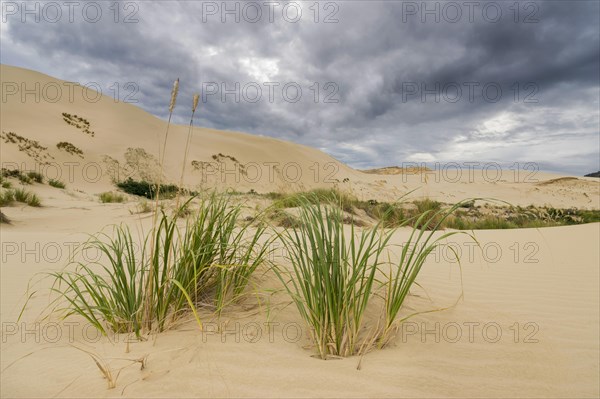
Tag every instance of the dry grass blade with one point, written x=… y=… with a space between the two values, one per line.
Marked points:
x=104 y=368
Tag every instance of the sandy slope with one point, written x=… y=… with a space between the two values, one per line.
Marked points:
x=537 y=288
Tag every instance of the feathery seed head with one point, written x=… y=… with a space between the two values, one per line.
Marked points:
x=195 y=105
x=174 y=95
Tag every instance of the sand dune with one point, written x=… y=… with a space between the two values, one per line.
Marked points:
x=528 y=325
x=229 y=159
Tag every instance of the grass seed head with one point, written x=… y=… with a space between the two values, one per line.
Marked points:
x=174 y=95
x=195 y=105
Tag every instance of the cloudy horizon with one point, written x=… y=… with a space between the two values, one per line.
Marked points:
x=372 y=83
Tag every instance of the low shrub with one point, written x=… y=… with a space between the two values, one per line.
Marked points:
x=146 y=189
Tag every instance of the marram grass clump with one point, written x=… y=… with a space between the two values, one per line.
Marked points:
x=207 y=264
x=56 y=183
x=337 y=273
x=332 y=278
x=19 y=195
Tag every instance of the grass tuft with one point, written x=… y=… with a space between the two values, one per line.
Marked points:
x=332 y=276
x=110 y=197
x=209 y=263
x=142 y=207
x=36 y=177
x=26 y=197
x=24 y=179
x=4 y=183
x=56 y=183
x=7 y=197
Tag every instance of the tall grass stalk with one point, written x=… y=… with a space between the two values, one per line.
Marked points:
x=187 y=146
x=172 y=102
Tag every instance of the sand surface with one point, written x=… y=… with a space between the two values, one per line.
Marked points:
x=528 y=325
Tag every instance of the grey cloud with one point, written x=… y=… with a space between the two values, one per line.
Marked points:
x=370 y=55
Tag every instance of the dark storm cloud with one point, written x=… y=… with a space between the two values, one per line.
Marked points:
x=374 y=55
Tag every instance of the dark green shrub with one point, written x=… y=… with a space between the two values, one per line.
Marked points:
x=56 y=183
x=146 y=189
x=36 y=177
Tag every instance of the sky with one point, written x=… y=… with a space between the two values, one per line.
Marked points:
x=372 y=83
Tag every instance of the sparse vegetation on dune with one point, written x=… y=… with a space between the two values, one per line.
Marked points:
x=56 y=183
x=8 y=173
x=69 y=148
x=24 y=179
x=467 y=217
x=4 y=183
x=142 y=207
x=36 y=177
x=31 y=148
x=207 y=264
x=9 y=196
x=334 y=275
x=280 y=218
x=27 y=197
x=147 y=189
x=110 y=197
x=78 y=122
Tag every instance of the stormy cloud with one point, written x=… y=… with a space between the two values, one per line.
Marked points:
x=381 y=83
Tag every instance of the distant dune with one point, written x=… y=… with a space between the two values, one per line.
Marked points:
x=396 y=170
